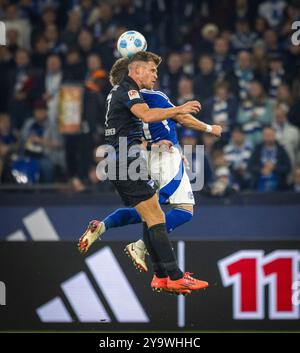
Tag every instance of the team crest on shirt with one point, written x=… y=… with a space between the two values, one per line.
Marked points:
x=133 y=94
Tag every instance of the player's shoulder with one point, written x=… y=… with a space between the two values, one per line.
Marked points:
x=155 y=93
x=127 y=88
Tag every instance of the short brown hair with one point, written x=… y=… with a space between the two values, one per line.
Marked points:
x=221 y=84
x=118 y=71
x=145 y=56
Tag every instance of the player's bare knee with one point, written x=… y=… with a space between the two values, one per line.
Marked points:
x=157 y=215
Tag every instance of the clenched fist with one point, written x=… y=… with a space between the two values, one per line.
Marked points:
x=216 y=130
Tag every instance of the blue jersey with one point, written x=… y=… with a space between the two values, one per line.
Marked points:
x=163 y=130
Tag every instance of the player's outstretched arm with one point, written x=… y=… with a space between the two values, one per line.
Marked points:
x=147 y=115
x=188 y=121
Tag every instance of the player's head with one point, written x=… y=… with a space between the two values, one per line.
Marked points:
x=118 y=71
x=142 y=67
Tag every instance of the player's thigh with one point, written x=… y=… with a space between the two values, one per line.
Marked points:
x=150 y=211
x=183 y=195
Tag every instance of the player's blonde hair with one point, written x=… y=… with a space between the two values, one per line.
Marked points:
x=145 y=56
x=120 y=67
x=118 y=71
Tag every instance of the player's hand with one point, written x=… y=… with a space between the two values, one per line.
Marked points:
x=164 y=145
x=216 y=130
x=191 y=107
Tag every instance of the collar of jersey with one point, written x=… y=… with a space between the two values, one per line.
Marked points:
x=131 y=81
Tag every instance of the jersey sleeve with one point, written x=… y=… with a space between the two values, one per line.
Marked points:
x=131 y=97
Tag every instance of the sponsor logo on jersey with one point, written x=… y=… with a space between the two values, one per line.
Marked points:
x=133 y=94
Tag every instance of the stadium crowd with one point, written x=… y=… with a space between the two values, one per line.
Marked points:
x=236 y=57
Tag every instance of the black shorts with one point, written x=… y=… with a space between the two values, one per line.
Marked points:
x=133 y=192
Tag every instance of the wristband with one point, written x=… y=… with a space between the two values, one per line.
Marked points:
x=208 y=128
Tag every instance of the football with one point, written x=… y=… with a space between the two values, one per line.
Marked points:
x=130 y=43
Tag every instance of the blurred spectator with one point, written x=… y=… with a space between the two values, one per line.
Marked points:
x=260 y=26
x=290 y=15
x=48 y=17
x=272 y=11
x=209 y=33
x=40 y=53
x=255 y=112
x=94 y=99
x=87 y=11
x=104 y=30
x=276 y=75
x=55 y=44
x=285 y=97
x=205 y=80
x=74 y=68
x=170 y=75
x=237 y=155
x=13 y=21
x=70 y=36
x=296 y=83
x=287 y=134
x=243 y=38
x=8 y=145
x=272 y=44
x=222 y=184
x=40 y=141
x=79 y=147
x=85 y=44
x=294 y=115
x=240 y=77
x=269 y=164
x=210 y=145
x=222 y=58
x=187 y=56
x=49 y=86
x=189 y=140
x=6 y=67
x=260 y=60
x=185 y=91
x=129 y=14
x=242 y=10
x=221 y=109
x=21 y=85
x=296 y=180
x=103 y=22
x=12 y=37
x=292 y=55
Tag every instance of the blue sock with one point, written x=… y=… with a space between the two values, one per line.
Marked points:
x=176 y=217
x=125 y=216
x=122 y=217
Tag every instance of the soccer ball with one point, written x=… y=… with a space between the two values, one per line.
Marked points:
x=130 y=43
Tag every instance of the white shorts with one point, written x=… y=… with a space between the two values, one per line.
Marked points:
x=168 y=170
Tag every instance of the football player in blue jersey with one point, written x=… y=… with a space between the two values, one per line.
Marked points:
x=174 y=184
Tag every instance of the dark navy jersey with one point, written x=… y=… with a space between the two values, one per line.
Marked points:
x=163 y=130
x=119 y=121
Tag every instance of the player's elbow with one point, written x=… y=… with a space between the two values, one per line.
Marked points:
x=146 y=118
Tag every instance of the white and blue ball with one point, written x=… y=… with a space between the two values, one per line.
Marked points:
x=130 y=43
